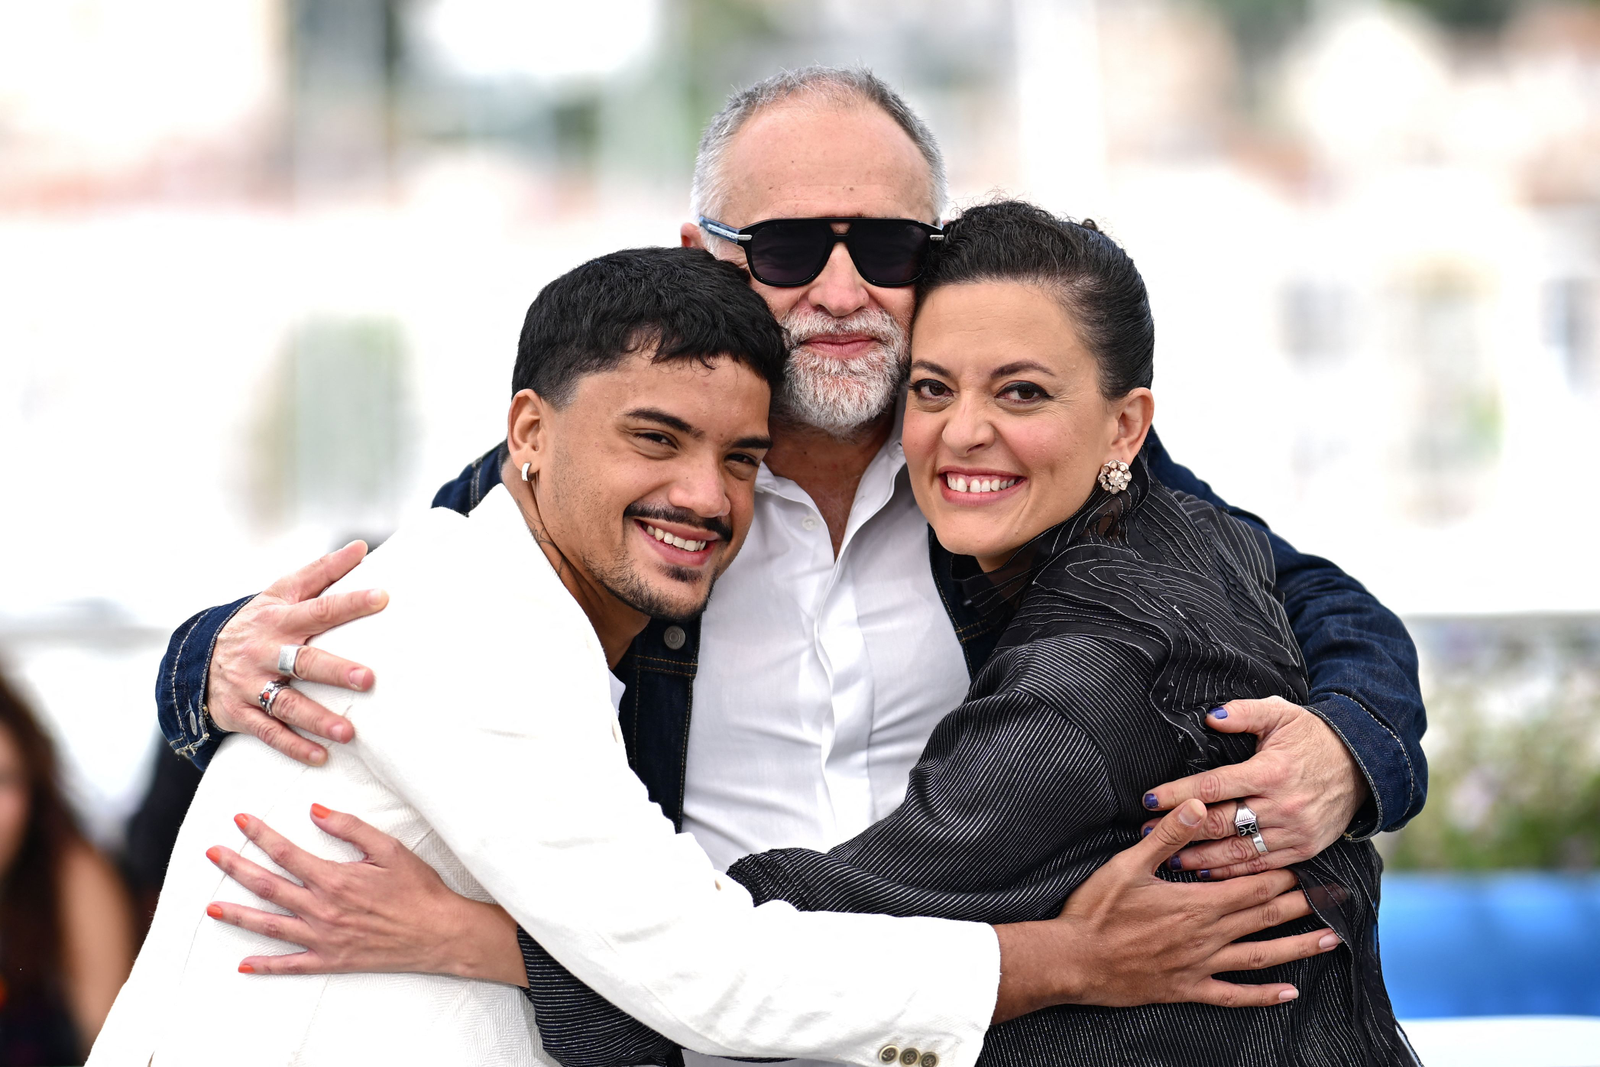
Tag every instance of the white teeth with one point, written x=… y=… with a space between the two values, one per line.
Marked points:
x=978 y=485
x=674 y=540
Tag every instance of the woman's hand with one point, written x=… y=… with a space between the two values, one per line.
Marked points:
x=290 y=611
x=1303 y=785
x=1125 y=937
x=387 y=912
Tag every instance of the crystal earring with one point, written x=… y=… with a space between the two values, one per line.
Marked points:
x=525 y=467
x=1114 y=476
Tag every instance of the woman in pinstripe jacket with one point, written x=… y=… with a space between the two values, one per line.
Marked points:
x=1133 y=611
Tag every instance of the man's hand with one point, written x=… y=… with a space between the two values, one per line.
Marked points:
x=388 y=912
x=1126 y=937
x=289 y=612
x=1302 y=783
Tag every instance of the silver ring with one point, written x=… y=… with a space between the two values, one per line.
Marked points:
x=287 y=656
x=1244 y=823
x=269 y=693
x=1261 y=846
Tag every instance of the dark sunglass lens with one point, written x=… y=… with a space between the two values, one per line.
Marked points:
x=888 y=252
x=789 y=253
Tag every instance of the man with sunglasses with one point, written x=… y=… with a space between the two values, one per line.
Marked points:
x=836 y=640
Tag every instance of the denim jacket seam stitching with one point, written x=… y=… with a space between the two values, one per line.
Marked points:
x=1366 y=773
x=1411 y=774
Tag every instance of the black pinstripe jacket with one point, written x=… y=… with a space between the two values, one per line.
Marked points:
x=1122 y=627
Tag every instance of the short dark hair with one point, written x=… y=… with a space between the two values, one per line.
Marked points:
x=683 y=302
x=1088 y=272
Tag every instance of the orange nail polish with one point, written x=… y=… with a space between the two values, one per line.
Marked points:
x=214 y=910
x=320 y=812
x=242 y=821
x=245 y=968
x=214 y=854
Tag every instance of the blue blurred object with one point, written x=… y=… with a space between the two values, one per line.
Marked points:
x=1513 y=943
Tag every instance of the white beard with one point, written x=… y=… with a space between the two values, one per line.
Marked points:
x=840 y=397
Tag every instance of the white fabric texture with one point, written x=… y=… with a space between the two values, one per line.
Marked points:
x=819 y=679
x=514 y=784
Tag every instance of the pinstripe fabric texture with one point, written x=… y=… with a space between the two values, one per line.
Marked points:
x=1127 y=623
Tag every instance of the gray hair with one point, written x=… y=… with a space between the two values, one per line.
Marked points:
x=838 y=85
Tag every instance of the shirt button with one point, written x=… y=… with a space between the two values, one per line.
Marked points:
x=930 y=1059
x=888 y=1054
x=909 y=1056
x=674 y=637
x=810 y=523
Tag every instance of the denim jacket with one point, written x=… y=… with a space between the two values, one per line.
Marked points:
x=1362 y=664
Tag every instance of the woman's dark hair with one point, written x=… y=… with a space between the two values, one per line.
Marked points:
x=1088 y=272
x=31 y=934
x=683 y=302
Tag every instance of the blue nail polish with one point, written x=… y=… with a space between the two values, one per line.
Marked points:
x=1144 y=831
x=1175 y=864
x=1205 y=876
x=1219 y=713
x=1151 y=802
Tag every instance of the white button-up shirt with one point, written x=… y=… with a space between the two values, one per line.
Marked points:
x=819 y=679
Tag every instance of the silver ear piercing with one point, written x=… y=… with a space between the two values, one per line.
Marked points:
x=1114 y=476
x=528 y=464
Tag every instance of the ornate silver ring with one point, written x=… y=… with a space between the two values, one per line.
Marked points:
x=1244 y=821
x=269 y=693
x=288 y=655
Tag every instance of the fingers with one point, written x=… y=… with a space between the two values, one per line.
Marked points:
x=263 y=883
x=372 y=842
x=1229 y=995
x=294 y=708
x=280 y=850
x=1274 y=860
x=1241 y=894
x=1237 y=855
x=286 y=928
x=1252 y=716
x=313 y=578
x=294 y=963
x=1217 y=825
x=1169 y=835
x=278 y=736
x=1257 y=955
x=314 y=616
x=1286 y=907
x=1208 y=787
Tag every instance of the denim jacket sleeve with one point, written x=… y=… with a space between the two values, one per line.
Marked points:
x=1361 y=661
x=181 y=684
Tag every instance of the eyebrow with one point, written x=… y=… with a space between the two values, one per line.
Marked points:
x=998 y=372
x=1020 y=365
x=673 y=422
x=665 y=419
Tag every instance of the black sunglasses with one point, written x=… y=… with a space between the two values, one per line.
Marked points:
x=790 y=252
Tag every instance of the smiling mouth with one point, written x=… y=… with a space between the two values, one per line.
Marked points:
x=673 y=539
x=958 y=483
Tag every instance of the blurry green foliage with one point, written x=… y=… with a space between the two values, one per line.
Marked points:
x=1513 y=747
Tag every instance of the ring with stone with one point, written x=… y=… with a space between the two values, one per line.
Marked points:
x=288 y=655
x=269 y=693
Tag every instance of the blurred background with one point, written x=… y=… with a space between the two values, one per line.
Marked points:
x=263 y=263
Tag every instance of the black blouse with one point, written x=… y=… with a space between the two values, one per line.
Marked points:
x=1127 y=623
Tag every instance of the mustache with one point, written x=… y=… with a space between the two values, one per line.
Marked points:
x=801 y=325
x=681 y=516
